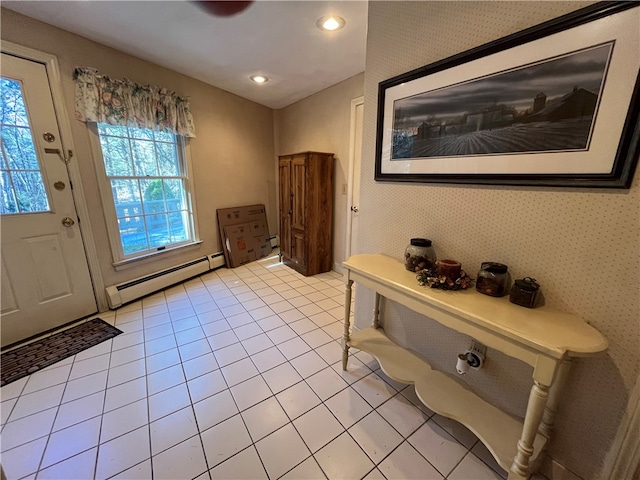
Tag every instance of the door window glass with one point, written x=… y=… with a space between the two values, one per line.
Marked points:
x=21 y=185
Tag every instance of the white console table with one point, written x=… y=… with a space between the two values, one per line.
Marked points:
x=542 y=337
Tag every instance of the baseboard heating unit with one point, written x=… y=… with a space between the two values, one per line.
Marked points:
x=118 y=295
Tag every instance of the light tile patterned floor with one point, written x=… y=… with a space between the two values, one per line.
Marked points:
x=234 y=374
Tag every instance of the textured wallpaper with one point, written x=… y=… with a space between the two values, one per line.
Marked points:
x=321 y=123
x=582 y=245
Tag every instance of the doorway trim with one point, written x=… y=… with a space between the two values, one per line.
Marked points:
x=623 y=459
x=53 y=72
x=350 y=179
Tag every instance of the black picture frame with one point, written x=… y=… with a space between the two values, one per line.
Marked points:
x=424 y=136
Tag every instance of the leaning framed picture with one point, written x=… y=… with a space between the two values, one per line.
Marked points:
x=557 y=104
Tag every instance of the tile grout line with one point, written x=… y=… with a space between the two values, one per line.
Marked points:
x=278 y=348
x=191 y=404
x=253 y=443
x=274 y=395
x=104 y=405
x=146 y=385
x=46 y=444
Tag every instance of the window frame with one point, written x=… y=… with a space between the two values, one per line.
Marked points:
x=120 y=259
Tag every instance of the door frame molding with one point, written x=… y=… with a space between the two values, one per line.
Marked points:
x=50 y=62
x=623 y=459
x=352 y=155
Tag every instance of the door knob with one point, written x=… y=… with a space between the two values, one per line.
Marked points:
x=68 y=221
x=354 y=209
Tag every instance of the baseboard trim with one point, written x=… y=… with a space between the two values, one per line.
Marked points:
x=216 y=260
x=554 y=470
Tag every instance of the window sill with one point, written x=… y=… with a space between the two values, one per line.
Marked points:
x=154 y=256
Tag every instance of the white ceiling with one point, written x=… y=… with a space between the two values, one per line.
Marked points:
x=275 y=38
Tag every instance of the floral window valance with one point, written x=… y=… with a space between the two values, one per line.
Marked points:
x=123 y=102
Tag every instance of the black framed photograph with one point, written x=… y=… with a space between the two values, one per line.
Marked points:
x=557 y=104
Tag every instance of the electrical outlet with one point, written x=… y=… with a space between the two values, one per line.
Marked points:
x=476 y=354
x=478 y=347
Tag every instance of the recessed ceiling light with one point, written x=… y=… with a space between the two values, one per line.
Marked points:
x=330 y=23
x=259 y=78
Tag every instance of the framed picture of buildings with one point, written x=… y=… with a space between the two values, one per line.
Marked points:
x=554 y=105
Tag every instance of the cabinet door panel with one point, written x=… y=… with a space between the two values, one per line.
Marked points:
x=298 y=185
x=297 y=248
x=285 y=207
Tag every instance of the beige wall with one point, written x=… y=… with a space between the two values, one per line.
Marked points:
x=581 y=244
x=321 y=123
x=232 y=154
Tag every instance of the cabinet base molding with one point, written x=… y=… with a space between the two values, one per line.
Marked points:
x=298 y=268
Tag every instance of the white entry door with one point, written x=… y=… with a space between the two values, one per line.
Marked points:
x=355 y=160
x=45 y=277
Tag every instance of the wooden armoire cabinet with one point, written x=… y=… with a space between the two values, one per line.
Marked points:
x=306 y=211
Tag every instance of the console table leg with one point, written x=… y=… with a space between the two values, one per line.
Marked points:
x=347 y=321
x=535 y=410
x=376 y=311
x=555 y=392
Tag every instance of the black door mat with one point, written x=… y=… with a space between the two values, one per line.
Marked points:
x=39 y=354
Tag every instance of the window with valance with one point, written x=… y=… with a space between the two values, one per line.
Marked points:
x=139 y=134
